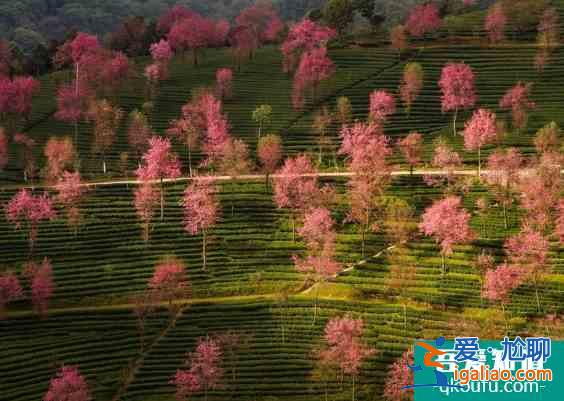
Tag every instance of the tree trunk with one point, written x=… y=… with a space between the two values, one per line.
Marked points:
x=443 y=261
x=454 y=122
x=315 y=302
x=363 y=236
x=505 y=215
x=353 y=389
x=104 y=164
x=479 y=162
x=293 y=227
x=537 y=295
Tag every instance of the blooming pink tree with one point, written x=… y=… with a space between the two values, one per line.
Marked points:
x=295 y=186
x=171 y=16
x=269 y=152
x=106 y=119
x=367 y=150
x=480 y=130
x=202 y=372
x=3 y=149
x=193 y=33
x=217 y=128
x=71 y=193
x=16 y=97
x=495 y=23
x=447 y=160
x=69 y=384
x=547 y=138
x=146 y=200
x=224 y=82
x=10 y=290
x=201 y=210
x=411 y=148
x=319 y=235
x=60 y=154
x=411 y=85
x=42 y=286
x=503 y=176
x=243 y=42
x=517 y=100
x=382 y=105
x=458 y=89
x=262 y=20
x=72 y=101
x=400 y=376
x=169 y=282
x=162 y=53
x=315 y=67
x=499 y=282
x=448 y=223
x=159 y=163
x=304 y=37
x=559 y=224
x=27 y=210
x=346 y=349
x=422 y=19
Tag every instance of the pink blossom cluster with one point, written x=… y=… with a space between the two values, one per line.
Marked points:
x=422 y=19
x=159 y=161
x=457 y=86
x=315 y=66
x=42 y=286
x=448 y=223
x=400 y=376
x=10 y=290
x=517 y=100
x=16 y=95
x=224 y=82
x=203 y=370
x=201 y=208
x=495 y=23
x=382 y=105
x=69 y=384
x=480 y=130
x=304 y=37
x=168 y=281
x=345 y=346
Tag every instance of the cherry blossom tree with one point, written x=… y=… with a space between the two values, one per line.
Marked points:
x=295 y=186
x=422 y=19
x=138 y=133
x=447 y=160
x=269 y=152
x=548 y=37
x=234 y=162
x=146 y=200
x=16 y=97
x=217 y=128
x=315 y=66
x=411 y=85
x=540 y=192
x=398 y=39
x=495 y=23
x=382 y=105
x=3 y=149
x=400 y=376
x=411 y=148
x=159 y=163
x=106 y=119
x=10 y=290
x=319 y=235
x=243 y=43
x=153 y=74
x=42 y=286
x=28 y=211
x=547 y=138
x=70 y=194
x=201 y=210
x=203 y=370
x=72 y=104
x=527 y=252
x=186 y=132
x=224 y=82
x=171 y=16
x=69 y=384
x=303 y=37
x=458 y=89
x=262 y=20
x=60 y=154
x=192 y=33
x=503 y=176
x=448 y=223
x=517 y=100
x=499 y=282
x=169 y=282
x=367 y=150
x=26 y=145
x=480 y=130
x=162 y=53
x=345 y=347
